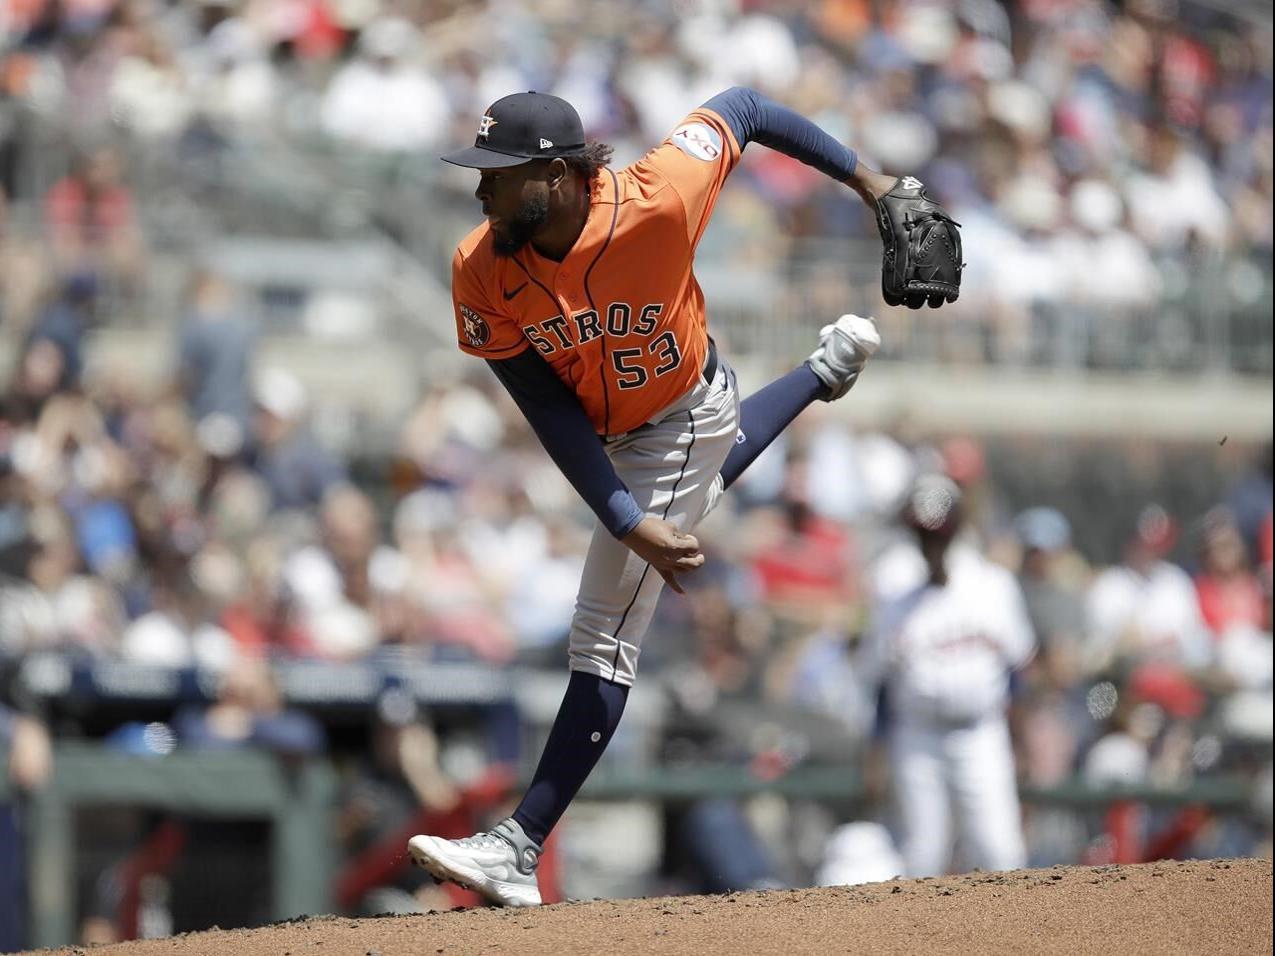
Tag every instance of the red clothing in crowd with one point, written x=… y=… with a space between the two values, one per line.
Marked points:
x=812 y=563
x=1225 y=602
x=72 y=212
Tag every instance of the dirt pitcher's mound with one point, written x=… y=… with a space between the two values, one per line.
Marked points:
x=1209 y=906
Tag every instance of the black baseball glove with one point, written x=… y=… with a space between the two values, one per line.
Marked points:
x=922 y=258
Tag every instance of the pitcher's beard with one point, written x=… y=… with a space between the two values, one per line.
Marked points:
x=520 y=230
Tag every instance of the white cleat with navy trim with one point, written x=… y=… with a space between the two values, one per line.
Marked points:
x=499 y=864
x=844 y=348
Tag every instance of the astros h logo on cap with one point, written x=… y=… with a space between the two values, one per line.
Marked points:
x=519 y=128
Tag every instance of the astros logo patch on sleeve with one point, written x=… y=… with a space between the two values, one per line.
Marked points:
x=477 y=331
x=698 y=140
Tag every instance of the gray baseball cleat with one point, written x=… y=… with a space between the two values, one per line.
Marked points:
x=844 y=347
x=499 y=864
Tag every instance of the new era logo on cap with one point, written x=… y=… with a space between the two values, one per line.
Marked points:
x=522 y=127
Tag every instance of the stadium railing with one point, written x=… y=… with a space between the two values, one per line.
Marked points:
x=299 y=802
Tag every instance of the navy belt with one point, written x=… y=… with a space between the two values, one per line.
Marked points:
x=710 y=363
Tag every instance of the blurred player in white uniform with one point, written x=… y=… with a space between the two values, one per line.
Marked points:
x=944 y=650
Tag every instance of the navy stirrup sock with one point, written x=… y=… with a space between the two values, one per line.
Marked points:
x=763 y=415
x=589 y=714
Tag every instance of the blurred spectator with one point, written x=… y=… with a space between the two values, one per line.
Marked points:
x=41 y=368
x=1174 y=203
x=343 y=584
x=149 y=92
x=64 y=322
x=1145 y=608
x=69 y=457
x=30 y=750
x=297 y=469
x=236 y=84
x=1110 y=267
x=264 y=619
x=395 y=778
x=1228 y=590
x=221 y=877
x=1149 y=736
x=232 y=499
x=249 y=712
x=56 y=606
x=803 y=561
x=1054 y=602
x=1049 y=713
x=91 y=220
x=383 y=99
x=181 y=631
x=965 y=462
x=27 y=743
x=454 y=597
x=1245 y=646
x=1249 y=500
x=215 y=350
x=542 y=599
x=1122 y=754
x=1244 y=657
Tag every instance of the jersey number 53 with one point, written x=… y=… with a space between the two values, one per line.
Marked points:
x=631 y=364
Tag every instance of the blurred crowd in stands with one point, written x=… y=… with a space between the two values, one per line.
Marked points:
x=1093 y=151
x=203 y=524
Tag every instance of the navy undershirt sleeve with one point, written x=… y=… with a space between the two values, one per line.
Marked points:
x=560 y=422
x=755 y=119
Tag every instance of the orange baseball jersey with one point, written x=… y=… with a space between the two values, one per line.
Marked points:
x=621 y=319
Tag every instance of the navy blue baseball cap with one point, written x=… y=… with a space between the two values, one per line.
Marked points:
x=521 y=127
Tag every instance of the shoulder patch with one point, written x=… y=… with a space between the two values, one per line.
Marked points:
x=698 y=140
x=477 y=331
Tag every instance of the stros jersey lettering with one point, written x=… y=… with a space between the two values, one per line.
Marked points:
x=621 y=319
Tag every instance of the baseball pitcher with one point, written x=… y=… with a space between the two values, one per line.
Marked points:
x=578 y=291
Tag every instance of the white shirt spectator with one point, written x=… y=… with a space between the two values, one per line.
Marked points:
x=395 y=109
x=150 y=97
x=340 y=629
x=1167 y=207
x=1155 y=616
x=27 y=620
x=383 y=101
x=855 y=474
x=1117 y=758
x=159 y=639
x=234 y=81
x=543 y=600
x=756 y=50
x=1244 y=655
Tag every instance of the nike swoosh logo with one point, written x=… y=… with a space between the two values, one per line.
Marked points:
x=511 y=294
